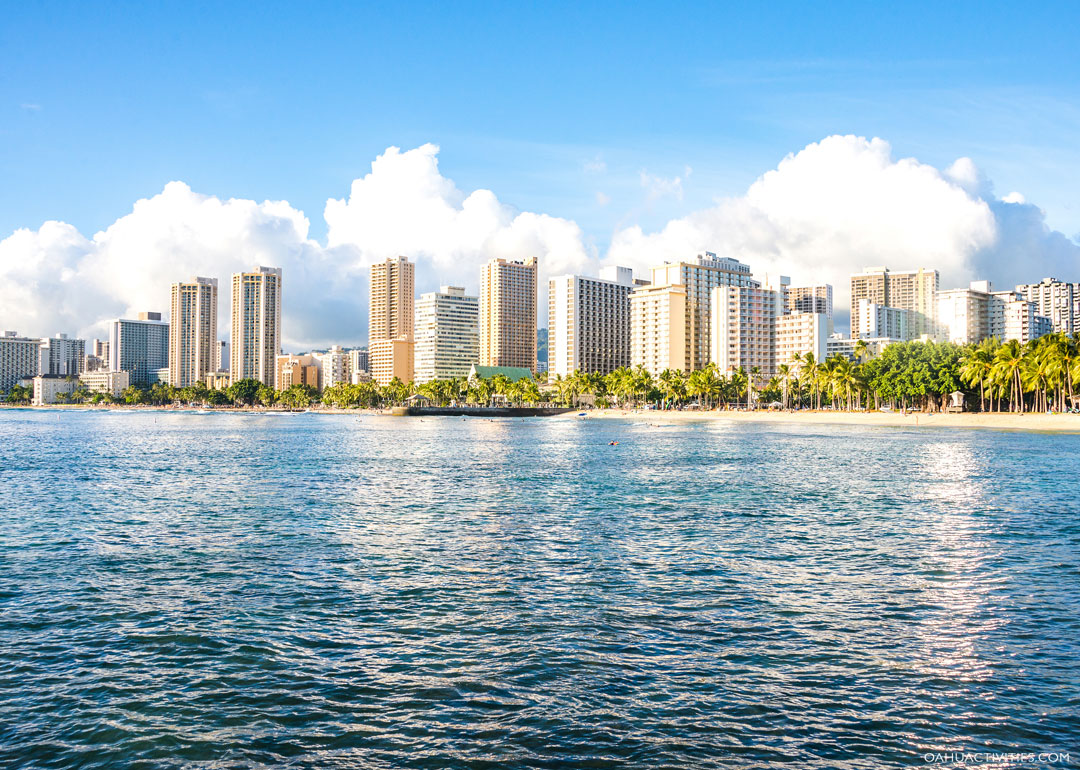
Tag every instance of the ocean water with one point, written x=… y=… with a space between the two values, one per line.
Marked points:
x=317 y=591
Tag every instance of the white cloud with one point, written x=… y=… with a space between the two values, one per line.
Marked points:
x=824 y=212
x=405 y=206
x=843 y=204
x=55 y=279
x=662 y=187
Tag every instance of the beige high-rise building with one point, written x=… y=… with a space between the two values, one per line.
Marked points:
x=508 y=313
x=256 y=325
x=393 y=286
x=811 y=299
x=699 y=277
x=447 y=334
x=194 y=349
x=913 y=290
x=658 y=328
x=391 y=316
x=589 y=322
x=391 y=358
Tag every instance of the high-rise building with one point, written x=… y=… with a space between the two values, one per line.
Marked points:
x=390 y=320
x=743 y=334
x=222 y=356
x=20 y=358
x=391 y=359
x=699 y=277
x=139 y=347
x=390 y=312
x=194 y=349
x=658 y=328
x=1057 y=300
x=62 y=356
x=359 y=365
x=810 y=299
x=1010 y=316
x=508 y=313
x=800 y=333
x=589 y=322
x=256 y=325
x=964 y=314
x=447 y=334
x=877 y=321
x=914 y=291
x=97 y=356
x=334 y=367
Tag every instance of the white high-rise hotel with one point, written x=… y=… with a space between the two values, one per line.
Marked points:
x=589 y=322
x=751 y=329
x=256 y=325
x=447 y=334
x=194 y=349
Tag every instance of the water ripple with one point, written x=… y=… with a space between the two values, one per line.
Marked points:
x=226 y=591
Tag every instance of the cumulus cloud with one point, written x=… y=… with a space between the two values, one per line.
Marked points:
x=406 y=206
x=827 y=211
x=56 y=279
x=844 y=203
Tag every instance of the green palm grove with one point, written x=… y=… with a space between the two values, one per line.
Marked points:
x=1037 y=376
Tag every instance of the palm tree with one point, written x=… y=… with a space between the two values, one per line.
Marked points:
x=784 y=372
x=1007 y=366
x=672 y=385
x=809 y=374
x=976 y=366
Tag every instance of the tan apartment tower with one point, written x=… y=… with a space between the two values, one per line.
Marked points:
x=658 y=328
x=390 y=320
x=508 y=313
x=393 y=285
x=194 y=349
x=255 y=339
x=912 y=290
x=699 y=276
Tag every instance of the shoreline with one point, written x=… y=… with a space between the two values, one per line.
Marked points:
x=1056 y=423
x=1052 y=423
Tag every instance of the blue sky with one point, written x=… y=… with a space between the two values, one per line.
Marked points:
x=618 y=132
x=103 y=104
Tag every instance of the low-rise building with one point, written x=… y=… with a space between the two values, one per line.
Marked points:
x=111 y=382
x=297 y=370
x=838 y=345
x=49 y=387
x=218 y=380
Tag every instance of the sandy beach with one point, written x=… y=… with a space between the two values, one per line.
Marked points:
x=1063 y=423
x=1058 y=423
